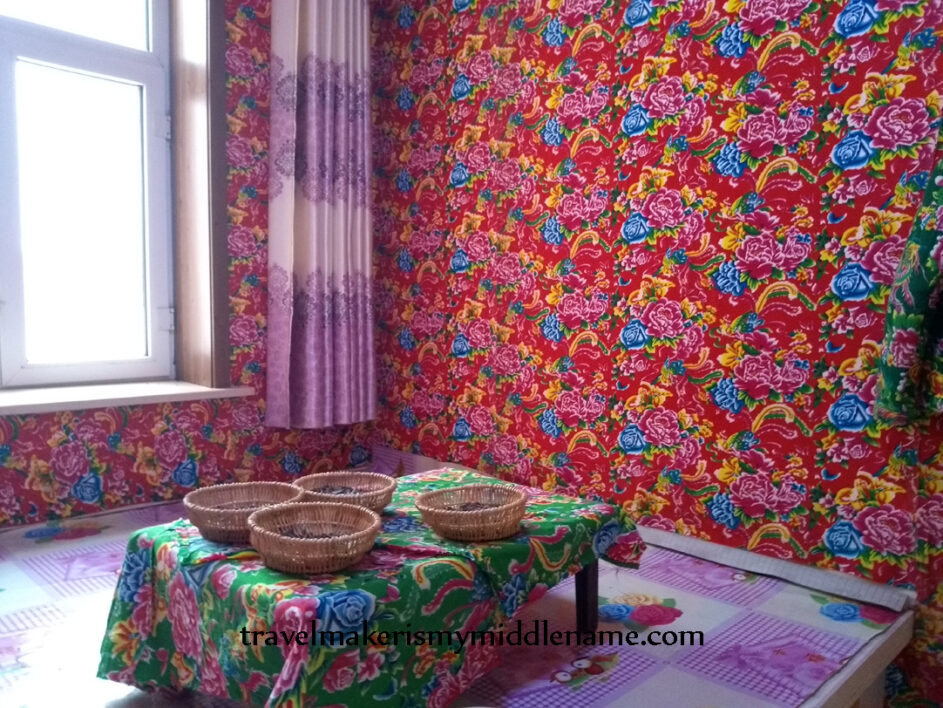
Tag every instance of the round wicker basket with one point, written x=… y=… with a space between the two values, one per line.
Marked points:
x=221 y=512
x=474 y=512
x=368 y=489
x=308 y=538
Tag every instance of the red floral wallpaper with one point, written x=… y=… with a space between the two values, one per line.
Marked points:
x=64 y=464
x=640 y=251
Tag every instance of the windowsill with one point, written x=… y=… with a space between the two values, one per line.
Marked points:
x=29 y=401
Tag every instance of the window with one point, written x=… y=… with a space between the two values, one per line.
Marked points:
x=85 y=221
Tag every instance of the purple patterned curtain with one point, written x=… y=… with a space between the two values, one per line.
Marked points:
x=320 y=325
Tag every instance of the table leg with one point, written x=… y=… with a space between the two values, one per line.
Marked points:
x=587 y=598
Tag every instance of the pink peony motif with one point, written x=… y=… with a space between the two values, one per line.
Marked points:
x=505 y=361
x=422 y=243
x=478 y=157
x=507 y=81
x=572 y=12
x=480 y=67
x=504 y=176
x=665 y=98
x=426 y=405
x=904 y=348
x=478 y=246
x=691 y=230
x=213 y=682
x=480 y=420
x=758 y=255
x=69 y=461
x=692 y=120
x=759 y=17
x=184 y=615
x=171 y=449
x=654 y=615
x=882 y=258
x=143 y=613
x=757 y=375
x=239 y=152
x=222 y=580
x=243 y=330
x=479 y=334
x=570 y=310
x=661 y=427
x=794 y=250
x=753 y=493
x=902 y=122
x=760 y=134
x=245 y=416
x=787 y=497
x=664 y=319
x=341 y=673
x=930 y=521
x=239 y=61
x=242 y=243
x=594 y=307
x=664 y=209
x=506 y=269
x=657 y=521
x=504 y=449
x=594 y=407
x=571 y=211
x=569 y=407
x=792 y=377
x=577 y=107
x=795 y=126
x=423 y=160
x=886 y=530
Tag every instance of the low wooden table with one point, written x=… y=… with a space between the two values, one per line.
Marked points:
x=191 y=614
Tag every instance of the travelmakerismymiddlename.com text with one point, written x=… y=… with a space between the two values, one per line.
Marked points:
x=535 y=633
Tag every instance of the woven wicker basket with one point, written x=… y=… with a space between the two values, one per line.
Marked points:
x=308 y=538
x=221 y=512
x=441 y=509
x=371 y=490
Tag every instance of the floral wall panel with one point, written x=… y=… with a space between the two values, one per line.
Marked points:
x=59 y=465
x=670 y=232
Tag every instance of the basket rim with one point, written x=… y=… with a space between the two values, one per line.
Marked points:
x=190 y=504
x=301 y=543
x=389 y=482
x=423 y=505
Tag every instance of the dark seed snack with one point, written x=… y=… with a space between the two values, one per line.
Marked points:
x=335 y=489
x=470 y=506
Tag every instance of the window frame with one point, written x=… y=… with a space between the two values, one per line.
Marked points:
x=151 y=70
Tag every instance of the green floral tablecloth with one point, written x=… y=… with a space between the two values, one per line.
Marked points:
x=181 y=603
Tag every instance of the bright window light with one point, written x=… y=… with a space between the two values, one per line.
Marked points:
x=121 y=22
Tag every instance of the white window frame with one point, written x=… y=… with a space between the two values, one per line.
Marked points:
x=150 y=70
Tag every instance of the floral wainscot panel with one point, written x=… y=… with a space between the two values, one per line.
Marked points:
x=640 y=251
x=53 y=466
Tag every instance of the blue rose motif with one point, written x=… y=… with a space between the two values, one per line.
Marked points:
x=550 y=424
x=726 y=395
x=853 y=282
x=459 y=176
x=615 y=613
x=636 y=228
x=406 y=340
x=729 y=279
x=853 y=152
x=730 y=42
x=5 y=452
x=133 y=574
x=88 y=488
x=461 y=5
x=405 y=99
x=513 y=594
x=552 y=133
x=461 y=88
x=729 y=162
x=553 y=33
x=403 y=181
x=186 y=474
x=461 y=431
x=292 y=464
x=403 y=524
x=844 y=540
x=460 y=346
x=841 y=611
x=636 y=121
x=849 y=413
x=408 y=418
x=345 y=610
x=358 y=455
x=459 y=262
x=551 y=231
x=856 y=18
x=638 y=13
x=406 y=17
x=634 y=335
x=605 y=537
x=632 y=440
x=721 y=510
x=550 y=328
x=481 y=588
x=404 y=261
